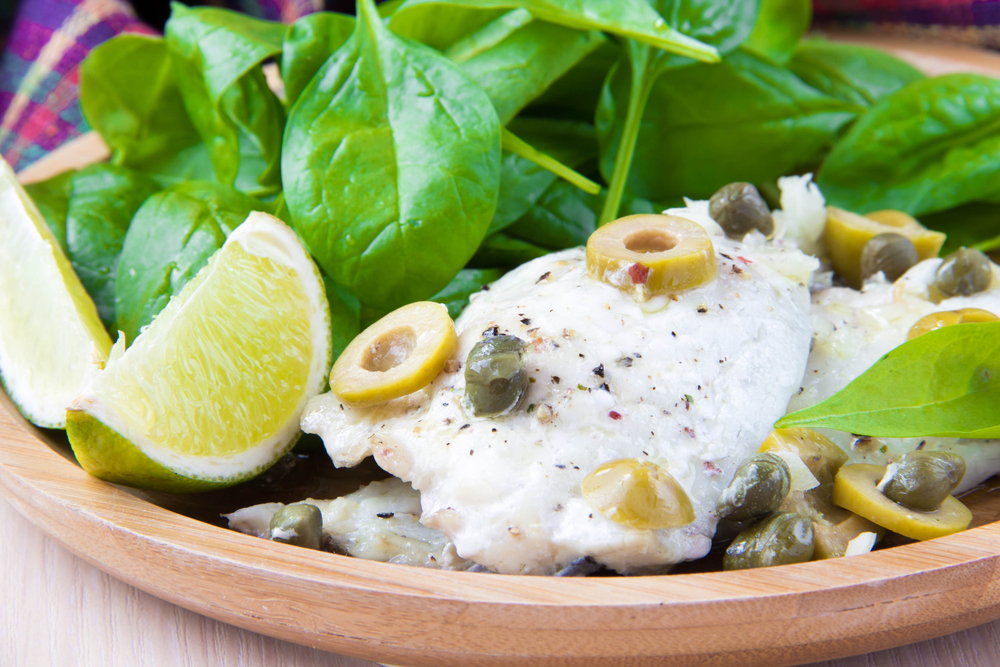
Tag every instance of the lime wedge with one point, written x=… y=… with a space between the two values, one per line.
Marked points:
x=52 y=342
x=211 y=392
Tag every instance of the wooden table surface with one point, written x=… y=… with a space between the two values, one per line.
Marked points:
x=59 y=611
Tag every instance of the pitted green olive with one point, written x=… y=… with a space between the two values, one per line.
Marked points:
x=922 y=480
x=760 y=484
x=301 y=525
x=780 y=539
x=495 y=375
x=639 y=494
x=739 y=209
x=965 y=271
x=856 y=489
x=892 y=254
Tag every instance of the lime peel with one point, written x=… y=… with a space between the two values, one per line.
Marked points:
x=212 y=391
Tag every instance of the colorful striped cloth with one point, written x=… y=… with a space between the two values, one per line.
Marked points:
x=970 y=22
x=39 y=69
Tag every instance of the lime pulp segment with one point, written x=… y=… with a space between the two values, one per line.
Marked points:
x=51 y=340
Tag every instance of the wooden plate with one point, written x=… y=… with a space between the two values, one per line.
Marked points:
x=405 y=615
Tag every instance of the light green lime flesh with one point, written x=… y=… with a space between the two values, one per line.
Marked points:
x=51 y=339
x=209 y=395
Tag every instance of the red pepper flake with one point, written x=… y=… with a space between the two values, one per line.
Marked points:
x=712 y=469
x=744 y=260
x=614 y=415
x=689 y=431
x=639 y=273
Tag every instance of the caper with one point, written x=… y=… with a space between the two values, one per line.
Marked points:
x=760 y=484
x=739 y=209
x=780 y=539
x=301 y=525
x=495 y=375
x=922 y=480
x=892 y=254
x=965 y=271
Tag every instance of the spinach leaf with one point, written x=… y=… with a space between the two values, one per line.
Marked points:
x=627 y=18
x=927 y=147
x=975 y=225
x=391 y=165
x=521 y=67
x=780 y=26
x=103 y=199
x=575 y=95
x=724 y=24
x=447 y=27
x=468 y=282
x=193 y=163
x=170 y=239
x=130 y=96
x=307 y=44
x=345 y=315
x=565 y=216
x=501 y=250
x=522 y=182
x=487 y=37
x=52 y=199
x=857 y=74
x=217 y=55
x=707 y=125
x=944 y=383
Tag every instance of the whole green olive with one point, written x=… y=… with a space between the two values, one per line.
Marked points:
x=739 y=209
x=495 y=375
x=301 y=525
x=760 y=484
x=922 y=480
x=892 y=254
x=965 y=271
x=780 y=539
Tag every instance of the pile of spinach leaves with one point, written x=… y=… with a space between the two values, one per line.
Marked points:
x=423 y=147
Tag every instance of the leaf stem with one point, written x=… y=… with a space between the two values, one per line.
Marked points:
x=513 y=144
x=642 y=86
x=489 y=35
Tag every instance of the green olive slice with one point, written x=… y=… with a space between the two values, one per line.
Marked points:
x=638 y=494
x=856 y=489
x=651 y=254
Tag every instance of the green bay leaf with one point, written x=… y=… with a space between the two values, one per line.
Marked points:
x=943 y=383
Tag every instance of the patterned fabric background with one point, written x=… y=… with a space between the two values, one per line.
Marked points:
x=39 y=69
x=971 y=22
